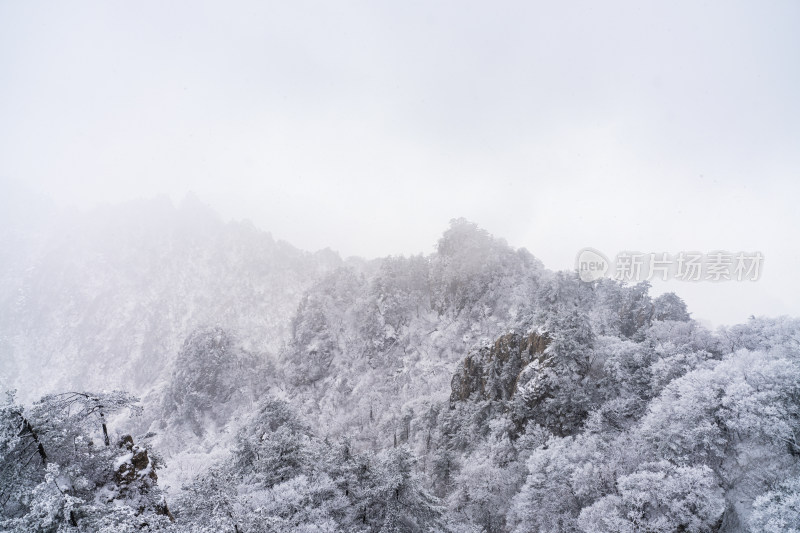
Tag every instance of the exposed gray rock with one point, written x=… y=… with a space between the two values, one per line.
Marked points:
x=491 y=373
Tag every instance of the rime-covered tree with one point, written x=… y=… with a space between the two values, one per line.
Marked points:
x=212 y=377
x=659 y=498
x=778 y=510
x=75 y=481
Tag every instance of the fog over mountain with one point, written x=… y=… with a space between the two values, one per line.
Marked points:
x=177 y=373
x=383 y=267
x=658 y=128
x=104 y=299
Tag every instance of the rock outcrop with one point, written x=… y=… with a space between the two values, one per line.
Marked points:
x=135 y=475
x=491 y=373
x=133 y=465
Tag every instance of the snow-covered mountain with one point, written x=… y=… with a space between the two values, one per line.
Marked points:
x=470 y=390
x=105 y=299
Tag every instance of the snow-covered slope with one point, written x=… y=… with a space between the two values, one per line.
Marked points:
x=368 y=354
x=470 y=390
x=105 y=299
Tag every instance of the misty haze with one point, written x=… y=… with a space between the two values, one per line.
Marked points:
x=443 y=267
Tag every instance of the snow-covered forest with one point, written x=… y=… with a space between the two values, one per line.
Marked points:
x=164 y=370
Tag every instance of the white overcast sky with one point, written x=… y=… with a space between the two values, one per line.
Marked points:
x=366 y=126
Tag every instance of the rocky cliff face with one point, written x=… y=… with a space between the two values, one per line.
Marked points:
x=491 y=373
